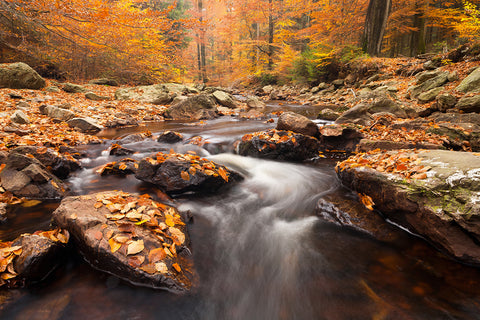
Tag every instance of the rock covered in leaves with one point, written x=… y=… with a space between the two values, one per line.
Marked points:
x=119 y=168
x=31 y=257
x=25 y=176
x=280 y=145
x=131 y=237
x=20 y=76
x=343 y=138
x=433 y=193
x=178 y=173
x=291 y=121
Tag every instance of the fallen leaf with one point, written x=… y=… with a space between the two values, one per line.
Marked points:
x=136 y=261
x=177 y=235
x=161 y=267
x=176 y=267
x=185 y=176
x=135 y=247
x=223 y=173
x=367 y=201
x=156 y=255
x=114 y=245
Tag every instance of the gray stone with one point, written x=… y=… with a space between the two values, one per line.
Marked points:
x=469 y=104
x=255 y=103
x=194 y=108
x=20 y=76
x=85 y=124
x=57 y=113
x=338 y=83
x=426 y=75
x=361 y=113
x=225 y=99
x=158 y=94
x=429 y=84
x=453 y=76
x=23 y=105
x=105 y=82
x=19 y=117
x=73 y=88
x=268 y=89
x=53 y=89
x=95 y=97
x=328 y=114
x=445 y=101
x=429 y=95
x=471 y=83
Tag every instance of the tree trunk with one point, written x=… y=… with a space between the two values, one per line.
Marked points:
x=375 y=25
x=270 y=35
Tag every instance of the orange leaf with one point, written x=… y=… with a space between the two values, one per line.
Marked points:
x=367 y=201
x=223 y=173
x=185 y=176
x=177 y=267
x=156 y=255
x=114 y=245
x=135 y=247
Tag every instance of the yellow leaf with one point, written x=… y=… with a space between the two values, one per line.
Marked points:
x=161 y=267
x=177 y=235
x=114 y=245
x=177 y=267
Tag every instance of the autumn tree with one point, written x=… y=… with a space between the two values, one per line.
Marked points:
x=375 y=25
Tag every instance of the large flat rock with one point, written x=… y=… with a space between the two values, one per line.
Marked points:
x=435 y=194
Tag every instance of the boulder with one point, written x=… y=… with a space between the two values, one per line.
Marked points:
x=255 y=103
x=279 y=145
x=61 y=165
x=105 y=82
x=132 y=237
x=95 y=97
x=366 y=145
x=20 y=76
x=438 y=200
x=445 y=101
x=469 y=104
x=339 y=138
x=119 y=151
x=170 y=137
x=291 y=121
x=362 y=112
x=179 y=173
x=41 y=254
x=57 y=113
x=156 y=94
x=471 y=83
x=194 y=108
x=19 y=117
x=456 y=117
x=120 y=168
x=328 y=114
x=25 y=176
x=73 y=88
x=85 y=124
x=437 y=81
x=225 y=99
x=429 y=95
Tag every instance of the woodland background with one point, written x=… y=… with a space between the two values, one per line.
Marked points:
x=223 y=41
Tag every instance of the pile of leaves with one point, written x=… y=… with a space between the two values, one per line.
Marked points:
x=9 y=252
x=273 y=137
x=406 y=164
x=197 y=164
x=164 y=222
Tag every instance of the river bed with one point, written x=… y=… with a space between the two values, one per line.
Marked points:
x=260 y=250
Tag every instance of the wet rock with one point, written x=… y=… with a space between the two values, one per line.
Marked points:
x=348 y=211
x=85 y=124
x=131 y=237
x=25 y=176
x=119 y=151
x=366 y=145
x=225 y=99
x=121 y=168
x=40 y=256
x=58 y=164
x=127 y=120
x=290 y=121
x=469 y=104
x=194 y=108
x=328 y=114
x=95 y=97
x=20 y=76
x=471 y=83
x=179 y=173
x=255 y=103
x=338 y=138
x=19 y=117
x=280 y=145
x=136 y=137
x=14 y=95
x=441 y=205
x=57 y=113
x=105 y=82
x=170 y=137
x=73 y=88
x=456 y=117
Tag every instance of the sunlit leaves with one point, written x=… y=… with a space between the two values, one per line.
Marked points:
x=135 y=247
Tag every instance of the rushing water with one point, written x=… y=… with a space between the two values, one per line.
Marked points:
x=260 y=251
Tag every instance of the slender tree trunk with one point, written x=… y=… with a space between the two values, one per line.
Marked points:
x=201 y=52
x=418 y=44
x=375 y=25
x=270 y=35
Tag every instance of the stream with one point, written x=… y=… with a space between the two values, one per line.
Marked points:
x=260 y=249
